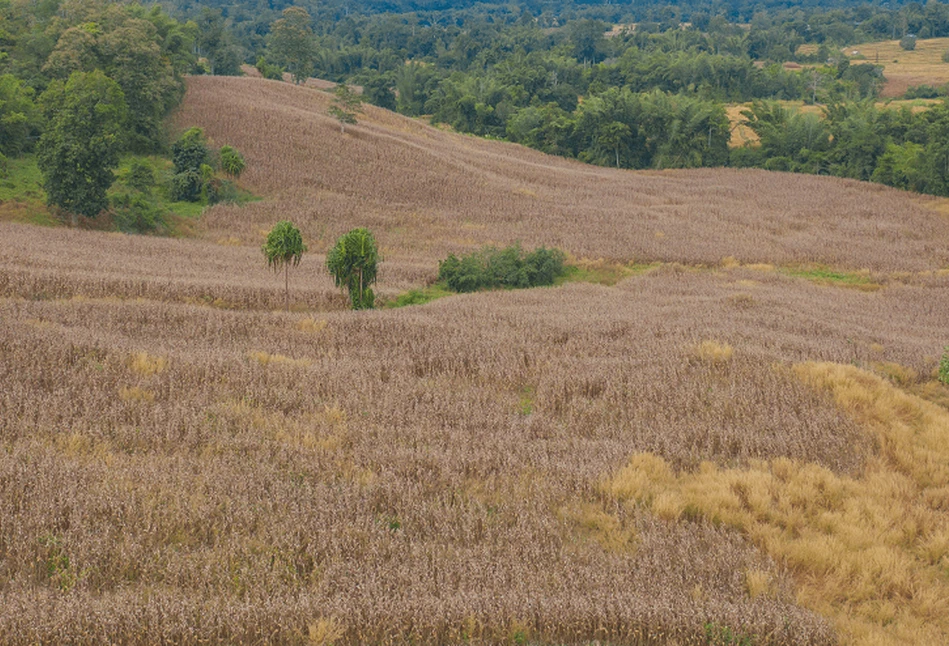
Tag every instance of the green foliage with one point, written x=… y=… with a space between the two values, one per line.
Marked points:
x=268 y=71
x=346 y=105
x=420 y=296
x=284 y=248
x=292 y=44
x=140 y=176
x=353 y=262
x=232 y=162
x=944 y=366
x=908 y=42
x=509 y=268
x=18 y=115
x=135 y=213
x=82 y=141
x=145 y=53
x=190 y=155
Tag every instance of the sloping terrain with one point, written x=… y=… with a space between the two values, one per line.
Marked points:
x=426 y=192
x=711 y=451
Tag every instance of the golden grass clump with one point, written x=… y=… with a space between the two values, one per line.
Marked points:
x=868 y=550
x=146 y=365
x=134 y=393
x=325 y=632
x=713 y=352
x=266 y=359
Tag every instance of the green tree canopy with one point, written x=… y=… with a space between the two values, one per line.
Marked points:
x=284 y=247
x=292 y=44
x=82 y=141
x=346 y=105
x=353 y=262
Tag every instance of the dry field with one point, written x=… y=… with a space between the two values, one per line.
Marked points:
x=426 y=193
x=709 y=452
x=903 y=69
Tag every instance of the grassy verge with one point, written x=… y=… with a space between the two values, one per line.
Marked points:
x=826 y=276
x=602 y=272
x=22 y=198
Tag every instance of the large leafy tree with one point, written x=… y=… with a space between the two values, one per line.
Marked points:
x=82 y=141
x=292 y=44
x=284 y=247
x=353 y=262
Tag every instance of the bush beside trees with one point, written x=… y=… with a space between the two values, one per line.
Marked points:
x=510 y=268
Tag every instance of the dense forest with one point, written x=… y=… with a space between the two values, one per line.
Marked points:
x=632 y=86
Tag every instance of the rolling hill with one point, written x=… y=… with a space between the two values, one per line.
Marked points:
x=743 y=441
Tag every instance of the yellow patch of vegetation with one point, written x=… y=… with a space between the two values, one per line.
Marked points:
x=869 y=551
x=900 y=375
x=591 y=521
x=759 y=583
x=134 y=393
x=325 y=631
x=713 y=352
x=266 y=359
x=146 y=365
x=313 y=326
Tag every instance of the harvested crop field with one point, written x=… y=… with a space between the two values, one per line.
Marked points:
x=744 y=443
x=904 y=69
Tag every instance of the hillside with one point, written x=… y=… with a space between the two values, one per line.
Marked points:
x=428 y=192
x=743 y=443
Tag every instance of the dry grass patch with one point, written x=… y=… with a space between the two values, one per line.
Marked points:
x=134 y=393
x=146 y=365
x=870 y=551
x=713 y=352
x=902 y=68
x=267 y=359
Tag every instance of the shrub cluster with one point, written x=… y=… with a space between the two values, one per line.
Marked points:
x=944 y=367
x=510 y=267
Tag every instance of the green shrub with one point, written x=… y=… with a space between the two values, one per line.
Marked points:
x=140 y=177
x=509 y=267
x=908 y=42
x=187 y=186
x=232 y=162
x=134 y=213
x=944 y=367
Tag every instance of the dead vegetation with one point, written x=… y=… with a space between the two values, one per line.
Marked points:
x=585 y=463
x=426 y=193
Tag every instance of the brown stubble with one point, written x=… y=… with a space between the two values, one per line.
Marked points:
x=430 y=471
x=427 y=192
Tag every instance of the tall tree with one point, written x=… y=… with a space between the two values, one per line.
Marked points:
x=346 y=105
x=82 y=141
x=284 y=247
x=292 y=44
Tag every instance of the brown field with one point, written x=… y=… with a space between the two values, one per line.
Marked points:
x=904 y=69
x=745 y=442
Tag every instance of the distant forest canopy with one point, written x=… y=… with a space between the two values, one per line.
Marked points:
x=639 y=85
